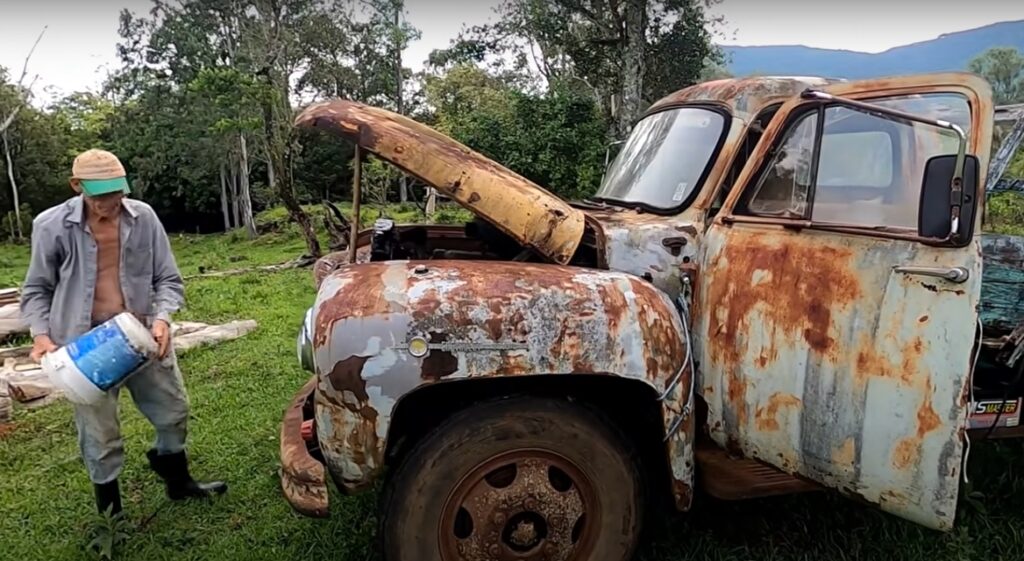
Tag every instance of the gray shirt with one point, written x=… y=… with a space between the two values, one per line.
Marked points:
x=57 y=296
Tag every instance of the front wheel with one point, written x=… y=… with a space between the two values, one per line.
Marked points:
x=523 y=479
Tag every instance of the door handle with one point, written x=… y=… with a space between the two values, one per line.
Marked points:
x=952 y=274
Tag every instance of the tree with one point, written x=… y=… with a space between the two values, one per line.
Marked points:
x=1003 y=67
x=22 y=97
x=625 y=54
x=554 y=138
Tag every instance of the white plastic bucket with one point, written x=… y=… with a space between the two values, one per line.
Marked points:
x=100 y=359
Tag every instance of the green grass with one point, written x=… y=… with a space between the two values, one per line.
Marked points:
x=239 y=389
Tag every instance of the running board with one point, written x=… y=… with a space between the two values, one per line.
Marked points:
x=734 y=479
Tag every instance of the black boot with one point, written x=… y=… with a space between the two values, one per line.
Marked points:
x=173 y=468
x=108 y=496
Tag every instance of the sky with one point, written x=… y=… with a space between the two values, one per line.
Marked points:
x=78 y=46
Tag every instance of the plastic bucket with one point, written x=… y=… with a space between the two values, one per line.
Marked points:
x=100 y=359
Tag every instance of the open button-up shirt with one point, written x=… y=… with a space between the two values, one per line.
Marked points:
x=57 y=296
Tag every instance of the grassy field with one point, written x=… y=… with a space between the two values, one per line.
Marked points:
x=239 y=389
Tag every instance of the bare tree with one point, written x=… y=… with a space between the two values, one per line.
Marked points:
x=243 y=190
x=5 y=133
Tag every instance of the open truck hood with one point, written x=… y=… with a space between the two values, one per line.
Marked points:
x=522 y=209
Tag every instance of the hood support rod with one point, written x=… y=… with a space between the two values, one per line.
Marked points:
x=357 y=189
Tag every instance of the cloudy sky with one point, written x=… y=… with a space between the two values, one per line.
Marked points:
x=78 y=45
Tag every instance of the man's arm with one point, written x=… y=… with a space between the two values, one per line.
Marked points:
x=40 y=281
x=168 y=286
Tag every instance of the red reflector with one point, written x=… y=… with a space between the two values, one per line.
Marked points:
x=306 y=431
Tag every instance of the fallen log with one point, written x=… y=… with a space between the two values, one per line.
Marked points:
x=213 y=334
x=293 y=264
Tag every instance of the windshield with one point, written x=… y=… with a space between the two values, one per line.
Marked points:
x=664 y=158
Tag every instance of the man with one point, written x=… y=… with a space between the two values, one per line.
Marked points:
x=93 y=257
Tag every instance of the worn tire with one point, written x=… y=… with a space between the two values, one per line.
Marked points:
x=418 y=493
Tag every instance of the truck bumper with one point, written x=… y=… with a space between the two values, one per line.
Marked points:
x=303 y=478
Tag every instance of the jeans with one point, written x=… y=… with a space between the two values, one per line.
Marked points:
x=159 y=394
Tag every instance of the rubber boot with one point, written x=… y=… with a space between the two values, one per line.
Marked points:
x=108 y=495
x=173 y=468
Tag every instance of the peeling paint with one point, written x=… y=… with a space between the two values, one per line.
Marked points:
x=482 y=319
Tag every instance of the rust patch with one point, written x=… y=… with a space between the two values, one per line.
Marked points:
x=792 y=284
x=347 y=376
x=766 y=417
x=362 y=296
x=682 y=493
x=439 y=364
x=872 y=363
x=927 y=419
x=846 y=453
x=906 y=453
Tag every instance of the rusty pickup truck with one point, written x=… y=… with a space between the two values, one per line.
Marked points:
x=775 y=290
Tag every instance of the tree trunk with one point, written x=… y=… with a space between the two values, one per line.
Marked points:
x=279 y=156
x=243 y=176
x=14 y=187
x=271 y=181
x=633 y=65
x=403 y=187
x=431 y=202
x=224 y=197
x=235 y=211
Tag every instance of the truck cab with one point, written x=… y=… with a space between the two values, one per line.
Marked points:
x=774 y=290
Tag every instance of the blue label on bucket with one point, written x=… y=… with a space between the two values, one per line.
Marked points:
x=104 y=355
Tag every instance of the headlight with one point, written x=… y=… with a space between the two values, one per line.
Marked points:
x=304 y=343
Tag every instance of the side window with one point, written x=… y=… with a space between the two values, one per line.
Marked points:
x=784 y=186
x=854 y=168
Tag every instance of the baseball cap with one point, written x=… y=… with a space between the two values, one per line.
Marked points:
x=100 y=172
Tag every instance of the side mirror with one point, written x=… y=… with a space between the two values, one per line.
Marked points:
x=946 y=213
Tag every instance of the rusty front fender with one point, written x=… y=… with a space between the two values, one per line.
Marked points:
x=383 y=329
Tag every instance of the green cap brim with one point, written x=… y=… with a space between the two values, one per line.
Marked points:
x=96 y=187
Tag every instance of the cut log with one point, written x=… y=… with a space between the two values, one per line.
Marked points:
x=214 y=334
x=10 y=320
x=9 y=296
x=30 y=386
x=15 y=353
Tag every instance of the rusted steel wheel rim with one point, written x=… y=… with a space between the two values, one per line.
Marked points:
x=522 y=505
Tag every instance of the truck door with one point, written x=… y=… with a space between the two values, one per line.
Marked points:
x=835 y=340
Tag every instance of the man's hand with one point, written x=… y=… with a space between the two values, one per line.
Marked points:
x=162 y=333
x=42 y=345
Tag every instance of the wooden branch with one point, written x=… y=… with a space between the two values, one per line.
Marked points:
x=24 y=67
x=24 y=71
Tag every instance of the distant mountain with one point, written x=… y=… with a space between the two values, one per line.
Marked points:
x=951 y=51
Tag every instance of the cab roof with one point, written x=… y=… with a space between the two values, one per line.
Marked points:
x=744 y=97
